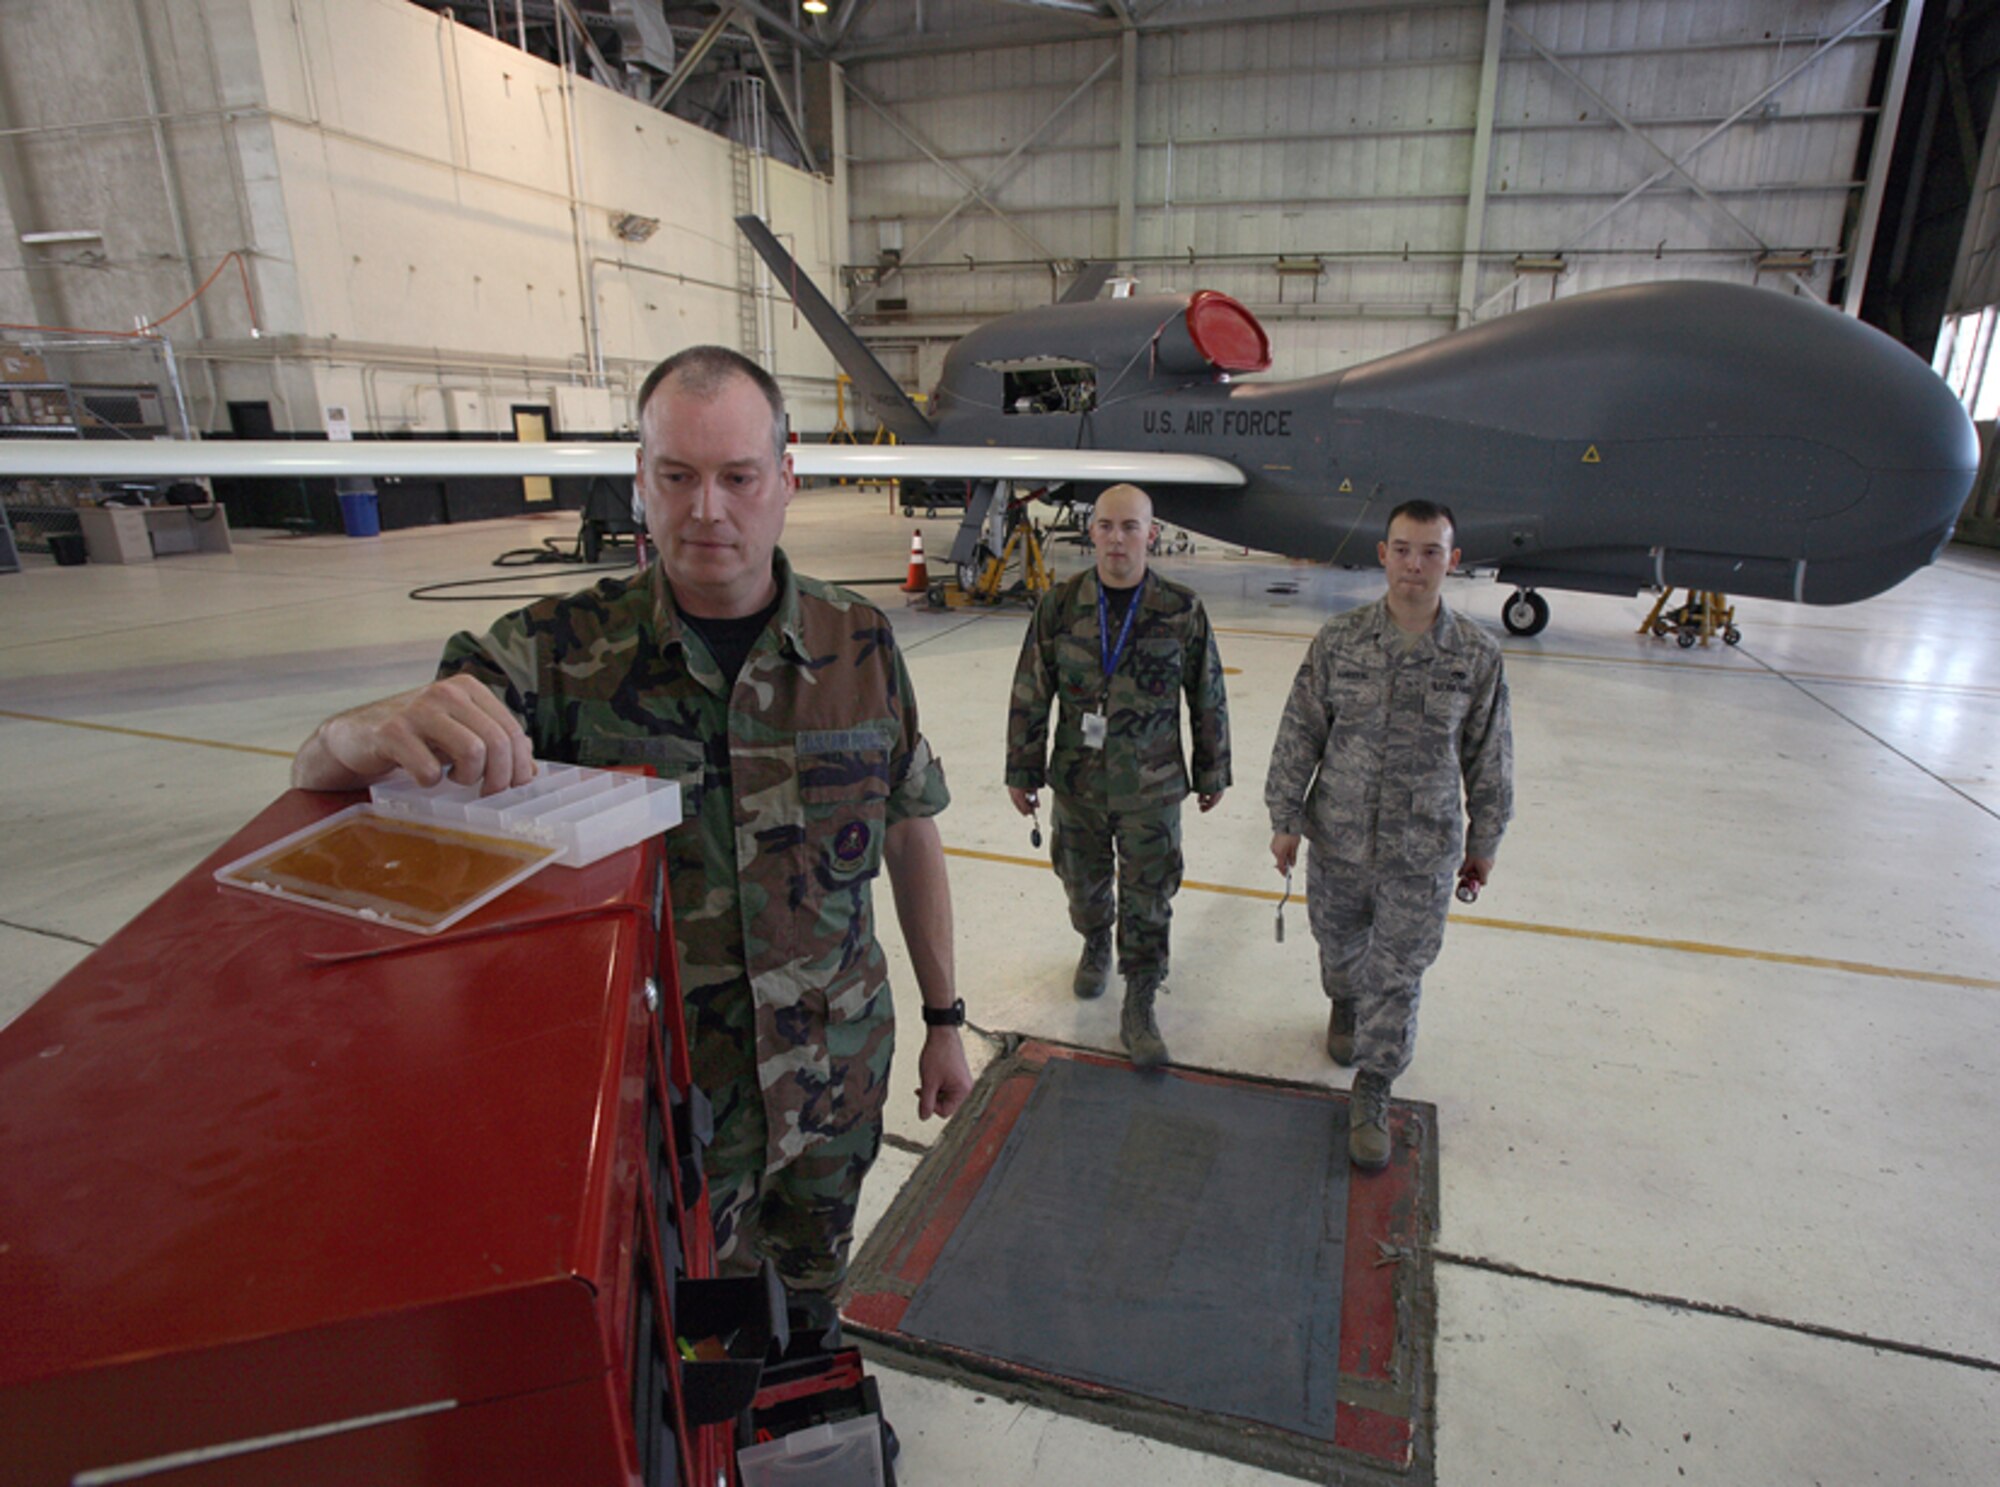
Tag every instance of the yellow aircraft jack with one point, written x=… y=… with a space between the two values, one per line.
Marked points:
x=1704 y=613
x=991 y=587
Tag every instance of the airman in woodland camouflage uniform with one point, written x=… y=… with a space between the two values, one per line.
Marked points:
x=1117 y=647
x=1396 y=704
x=782 y=708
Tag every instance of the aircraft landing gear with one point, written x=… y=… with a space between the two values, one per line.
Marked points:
x=1526 y=613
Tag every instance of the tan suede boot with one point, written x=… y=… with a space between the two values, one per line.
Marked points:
x=1368 y=1122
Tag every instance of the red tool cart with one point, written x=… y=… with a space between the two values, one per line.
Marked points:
x=290 y=1197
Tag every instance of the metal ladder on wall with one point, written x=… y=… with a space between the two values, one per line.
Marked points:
x=748 y=146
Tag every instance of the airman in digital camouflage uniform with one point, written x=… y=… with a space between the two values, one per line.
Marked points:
x=1397 y=702
x=1116 y=647
x=783 y=709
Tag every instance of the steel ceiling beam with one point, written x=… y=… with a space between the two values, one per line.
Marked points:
x=993 y=180
x=1617 y=117
x=784 y=97
x=704 y=44
x=1783 y=78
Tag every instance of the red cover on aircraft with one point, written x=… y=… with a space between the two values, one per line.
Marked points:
x=330 y=1222
x=1227 y=333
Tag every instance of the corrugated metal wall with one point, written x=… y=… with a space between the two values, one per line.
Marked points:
x=1347 y=134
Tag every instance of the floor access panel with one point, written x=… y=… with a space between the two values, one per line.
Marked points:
x=1184 y=1254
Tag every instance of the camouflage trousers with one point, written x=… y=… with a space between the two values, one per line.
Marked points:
x=1377 y=937
x=1135 y=855
x=800 y=1217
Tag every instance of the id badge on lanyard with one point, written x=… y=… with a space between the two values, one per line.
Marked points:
x=1095 y=724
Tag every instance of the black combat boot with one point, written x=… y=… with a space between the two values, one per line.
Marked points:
x=1136 y=1028
x=1093 y=967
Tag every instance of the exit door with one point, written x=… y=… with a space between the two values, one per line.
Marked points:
x=531 y=426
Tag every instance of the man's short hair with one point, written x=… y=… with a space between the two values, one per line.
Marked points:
x=703 y=370
x=1422 y=511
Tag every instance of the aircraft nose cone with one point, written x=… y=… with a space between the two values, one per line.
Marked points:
x=1751 y=421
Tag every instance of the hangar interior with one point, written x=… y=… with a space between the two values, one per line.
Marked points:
x=1712 y=1059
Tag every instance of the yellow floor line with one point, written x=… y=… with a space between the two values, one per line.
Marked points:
x=200 y=743
x=1268 y=895
x=1682 y=663
x=1563 y=932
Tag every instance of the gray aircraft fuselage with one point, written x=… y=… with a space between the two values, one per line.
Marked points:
x=1684 y=433
x=1708 y=435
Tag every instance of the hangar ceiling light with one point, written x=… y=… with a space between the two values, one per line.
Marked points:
x=814 y=7
x=1539 y=263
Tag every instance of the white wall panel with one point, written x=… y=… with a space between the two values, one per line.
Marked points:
x=401 y=187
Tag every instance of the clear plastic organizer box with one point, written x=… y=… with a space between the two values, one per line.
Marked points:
x=585 y=813
x=847 y=1453
x=421 y=859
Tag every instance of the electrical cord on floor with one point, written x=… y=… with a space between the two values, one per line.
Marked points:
x=433 y=593
x=553 y=550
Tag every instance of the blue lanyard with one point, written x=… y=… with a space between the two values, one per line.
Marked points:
x=1110 y=658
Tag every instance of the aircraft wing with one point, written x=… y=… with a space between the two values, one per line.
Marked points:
x=1022 y=466
x=166 y=459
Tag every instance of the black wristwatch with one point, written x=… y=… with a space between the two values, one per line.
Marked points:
x=952 y=1016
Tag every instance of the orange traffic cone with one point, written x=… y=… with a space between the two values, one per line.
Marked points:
x=919 y=580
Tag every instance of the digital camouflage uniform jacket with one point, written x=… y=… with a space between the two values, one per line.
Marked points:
x=1391 y=735
x=1171 y=651
x=788 y=783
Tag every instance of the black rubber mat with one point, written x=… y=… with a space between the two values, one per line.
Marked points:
x=1173 y=1235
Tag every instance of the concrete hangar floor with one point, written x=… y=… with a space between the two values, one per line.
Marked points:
x=1712 y=1059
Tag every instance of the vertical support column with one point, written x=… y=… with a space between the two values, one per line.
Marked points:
x=839 y=228
x=17 y=215
x=1482 y=162
x=1128 y=141
x=754 y=326
x=1862 y=245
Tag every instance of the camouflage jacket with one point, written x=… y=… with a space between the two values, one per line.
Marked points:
x=1374 y=743
x=1171 y=650
x=788 y=783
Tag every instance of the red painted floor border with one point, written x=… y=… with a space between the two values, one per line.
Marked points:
x=1386 y=1314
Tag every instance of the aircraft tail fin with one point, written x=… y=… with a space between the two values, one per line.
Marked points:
x=1087 y=285
x=871 y=380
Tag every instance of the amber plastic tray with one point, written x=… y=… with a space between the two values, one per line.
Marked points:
x=416 y=875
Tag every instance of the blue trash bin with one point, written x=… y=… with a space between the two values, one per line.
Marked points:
x=359 y=514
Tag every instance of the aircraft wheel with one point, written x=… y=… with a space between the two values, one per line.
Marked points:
x=1686 y=641
x=1732 y=636
x=908 y=509
x=1527 y=613
x=969 y=575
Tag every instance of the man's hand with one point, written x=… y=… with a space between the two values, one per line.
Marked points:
x=944 y=1078
x=1475 y=870
x=1285 y=849
x=1025 y=801
x=456 y=723
x=1209 y=800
